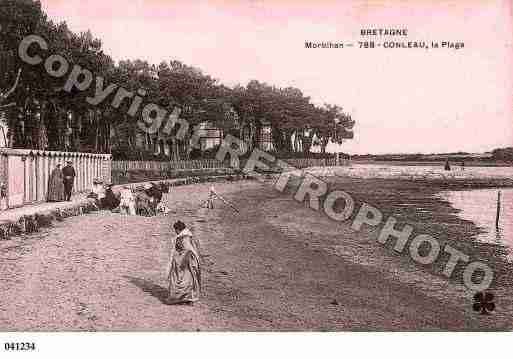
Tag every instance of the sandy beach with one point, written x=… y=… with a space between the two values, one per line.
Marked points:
x=276 y=265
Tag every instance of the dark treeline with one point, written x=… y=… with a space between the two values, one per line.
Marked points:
x=498 y=154
x=503 y=154
x=40 y=114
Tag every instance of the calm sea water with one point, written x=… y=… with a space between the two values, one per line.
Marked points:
x=377 y=170
x=480 y=207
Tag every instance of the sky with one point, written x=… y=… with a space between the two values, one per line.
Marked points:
x=403 y=100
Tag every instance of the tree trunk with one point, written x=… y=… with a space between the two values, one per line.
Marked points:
x=287 y=140
x=256 y=136
x=175 y=154
x=324 y=144
x=277 y=136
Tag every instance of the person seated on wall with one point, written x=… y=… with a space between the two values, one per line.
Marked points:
x=110 y=201
x=97 y=192
x=164 y=187
x=155 y=193
x=127 y=201
x=143 y=202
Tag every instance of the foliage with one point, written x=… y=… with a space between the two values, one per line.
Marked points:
x=503 y=154
x=47 y=117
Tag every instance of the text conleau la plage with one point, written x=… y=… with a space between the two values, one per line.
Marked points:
x=375 y=38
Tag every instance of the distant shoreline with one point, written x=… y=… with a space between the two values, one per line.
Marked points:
x=454 y=163
x=457 y=178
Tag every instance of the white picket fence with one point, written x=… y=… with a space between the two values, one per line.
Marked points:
x=159 y=166
x=204 y=164
x=25 y=173
x=313 y=162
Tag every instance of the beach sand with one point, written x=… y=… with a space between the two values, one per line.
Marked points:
x=276 y=265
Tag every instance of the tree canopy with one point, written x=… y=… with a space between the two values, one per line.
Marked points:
x=42 y=115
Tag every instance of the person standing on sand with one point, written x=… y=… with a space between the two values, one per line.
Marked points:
x=183 y=269
x=69 y=178
x=55 y=185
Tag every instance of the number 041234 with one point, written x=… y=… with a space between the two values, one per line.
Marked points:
x=19 y=346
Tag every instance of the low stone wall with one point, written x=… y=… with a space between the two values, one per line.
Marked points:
x=25 y=224
x=189 y=180
x=43 y=218
x=119 y=177
x=316 y=162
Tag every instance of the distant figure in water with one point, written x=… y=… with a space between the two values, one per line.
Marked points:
x=183 y=270
x=447 y=166
x=55 y=185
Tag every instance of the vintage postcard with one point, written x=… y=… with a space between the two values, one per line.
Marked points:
x=244 y=166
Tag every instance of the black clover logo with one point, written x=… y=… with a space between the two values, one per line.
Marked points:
x=483 y=303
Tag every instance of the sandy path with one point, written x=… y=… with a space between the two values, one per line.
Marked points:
x=261 y=272
x=99 y=271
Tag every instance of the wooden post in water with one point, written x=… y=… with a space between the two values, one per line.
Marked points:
x=498 y=210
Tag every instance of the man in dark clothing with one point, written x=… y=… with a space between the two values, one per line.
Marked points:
x=68 y=173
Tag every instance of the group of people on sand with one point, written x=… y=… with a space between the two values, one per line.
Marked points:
x=144 y=200
x=60 y=183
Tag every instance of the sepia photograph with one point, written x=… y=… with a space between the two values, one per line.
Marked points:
x=255 y=166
